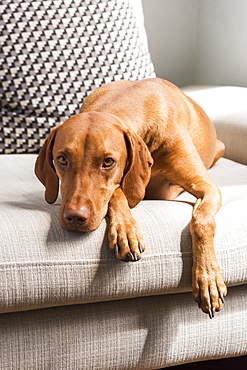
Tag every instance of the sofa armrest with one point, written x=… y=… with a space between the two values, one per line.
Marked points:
x=227 y=108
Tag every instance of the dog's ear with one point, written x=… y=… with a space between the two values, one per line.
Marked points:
x=138 y=171
x=45 y=171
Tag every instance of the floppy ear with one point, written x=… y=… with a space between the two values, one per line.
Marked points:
x=45 y=171
x=138 y=171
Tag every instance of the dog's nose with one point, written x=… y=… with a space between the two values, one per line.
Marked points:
x=76 y=217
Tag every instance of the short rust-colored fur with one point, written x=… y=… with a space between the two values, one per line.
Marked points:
x=135 y=140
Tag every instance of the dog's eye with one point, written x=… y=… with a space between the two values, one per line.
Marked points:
x=108 y=162
x=62 y=161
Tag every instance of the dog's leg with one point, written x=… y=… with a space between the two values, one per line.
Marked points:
x=123 y=235
x=219 y=151
x=186 y=169
x=208 y=286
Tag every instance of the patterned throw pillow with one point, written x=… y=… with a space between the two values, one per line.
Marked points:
x=54 y=54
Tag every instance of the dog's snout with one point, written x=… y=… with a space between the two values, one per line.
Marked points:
x=76 y=217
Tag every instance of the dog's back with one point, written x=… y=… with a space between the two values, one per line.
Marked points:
x=156 y=110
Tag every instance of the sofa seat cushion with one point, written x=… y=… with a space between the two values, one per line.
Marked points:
x=43 y=265
x=132 y=334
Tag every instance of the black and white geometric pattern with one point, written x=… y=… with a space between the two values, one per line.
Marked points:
x=54 y=53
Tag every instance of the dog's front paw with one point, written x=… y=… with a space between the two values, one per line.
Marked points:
x=125 y=238
x=208 y=287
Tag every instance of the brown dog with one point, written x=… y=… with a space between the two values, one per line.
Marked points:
x=133 y=140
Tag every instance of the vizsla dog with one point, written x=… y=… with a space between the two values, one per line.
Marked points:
x=135 y=140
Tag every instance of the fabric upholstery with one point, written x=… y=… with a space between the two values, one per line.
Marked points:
x=43 y=265
x=140 y=333
x=226 y=106
x=55 y=53
x=62 y=294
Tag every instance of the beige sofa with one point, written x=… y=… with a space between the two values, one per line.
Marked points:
x=67 y=303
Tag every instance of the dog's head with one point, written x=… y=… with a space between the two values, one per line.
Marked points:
x=92 y=155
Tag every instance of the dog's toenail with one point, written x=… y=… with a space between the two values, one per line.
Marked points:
x=221 y=297
x=116 y=249
x=130 y=256
x=211 y=313
x=135 y=256
x=140 y=248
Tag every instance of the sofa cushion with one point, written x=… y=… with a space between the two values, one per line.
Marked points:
x=55 y=53
x=227 y=108
x=43 y=265
x=132 y=334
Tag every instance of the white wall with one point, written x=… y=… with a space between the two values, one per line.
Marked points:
x=222 y=42
x=198 y=41
x=172 y=35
